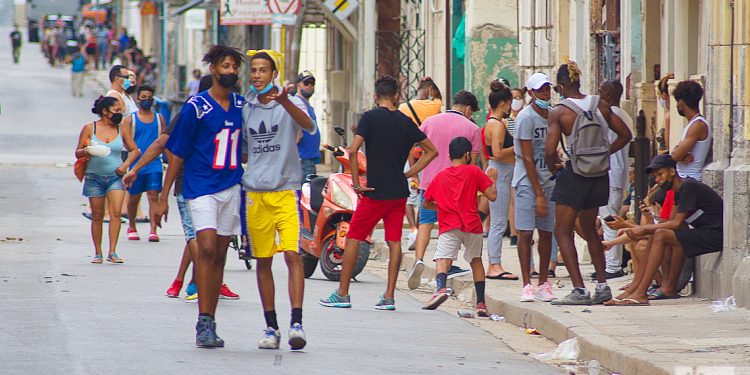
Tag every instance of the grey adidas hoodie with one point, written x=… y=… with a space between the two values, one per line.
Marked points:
x=270 y=141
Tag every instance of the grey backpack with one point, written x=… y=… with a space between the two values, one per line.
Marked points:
x=589 y=149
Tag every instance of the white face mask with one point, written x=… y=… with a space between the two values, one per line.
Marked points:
x=516 y=105
x=662 y=102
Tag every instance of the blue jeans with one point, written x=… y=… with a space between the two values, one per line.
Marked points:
x=186 y=218
x=308 y=167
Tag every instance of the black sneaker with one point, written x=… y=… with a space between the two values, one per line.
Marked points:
x=608 y=275
x=551 y=273
x=455 y=271
x=205 y=336
x=513 y=241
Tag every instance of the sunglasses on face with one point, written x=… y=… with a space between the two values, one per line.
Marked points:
x=309 y=83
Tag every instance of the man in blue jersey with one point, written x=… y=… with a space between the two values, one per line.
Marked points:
x=206 y=142
x=308 y=144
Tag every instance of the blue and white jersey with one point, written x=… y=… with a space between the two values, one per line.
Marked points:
x=209 y=140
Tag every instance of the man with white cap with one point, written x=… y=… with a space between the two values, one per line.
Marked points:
x=533 y=186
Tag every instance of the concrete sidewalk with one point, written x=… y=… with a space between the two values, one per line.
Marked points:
x=668 y=337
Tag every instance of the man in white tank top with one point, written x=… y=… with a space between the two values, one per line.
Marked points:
x=695 y=143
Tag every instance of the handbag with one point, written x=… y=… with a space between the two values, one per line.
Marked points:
x=79 y=168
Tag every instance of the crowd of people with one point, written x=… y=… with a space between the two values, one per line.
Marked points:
x=557 y=169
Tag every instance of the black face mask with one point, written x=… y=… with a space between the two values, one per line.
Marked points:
x=116 y=118
x=227 y=81
x=130 y=89
x=506 y=114
x=667 y=185
x=681 y=113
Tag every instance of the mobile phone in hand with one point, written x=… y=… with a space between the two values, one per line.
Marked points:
x=609 y=219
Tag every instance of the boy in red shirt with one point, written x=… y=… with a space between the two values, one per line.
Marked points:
x=454 y=192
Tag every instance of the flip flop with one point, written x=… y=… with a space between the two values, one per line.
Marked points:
x=113 y=258
x=97 y=260
x=503 y=276
x=659 y=295
x=628 y=302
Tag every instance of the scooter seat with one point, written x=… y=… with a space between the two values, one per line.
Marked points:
x=316 y=192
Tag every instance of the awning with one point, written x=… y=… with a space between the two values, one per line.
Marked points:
x=192 y=4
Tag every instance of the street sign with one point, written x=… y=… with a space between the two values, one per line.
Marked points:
x=284 y=19
x=284 y=6
x=244 y=12
x=342 y=9
x=148 y=8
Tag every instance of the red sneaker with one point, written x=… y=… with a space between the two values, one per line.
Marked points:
x=225 y=293
x=174 y=290
x=482 y=310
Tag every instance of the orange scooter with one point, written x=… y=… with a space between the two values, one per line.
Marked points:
x=328 y=204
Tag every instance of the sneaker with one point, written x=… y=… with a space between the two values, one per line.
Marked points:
x=297 y=339
x=205 y=336
x=411 y=241
x=534 y=275
x=336 y=300
x=225 y=293
x=601 y=296
x=482 y=310
x=153 y=237
x=527 y=294
x=576 y=297
x=192 y=298
x=414 y=279
x=133 y=235
x=544 y=292
x=455 y=271
x=436 y=300
x=385 y=304
x=609 y=275
x=219 y=340
x=270 y=340
x=551 y=274
x=191 y=289
x=174 y=290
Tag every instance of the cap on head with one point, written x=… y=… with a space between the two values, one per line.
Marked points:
x=304 y=76
x=536 y=81
x=660 y=161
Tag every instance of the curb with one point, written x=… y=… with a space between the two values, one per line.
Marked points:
x=553 y=323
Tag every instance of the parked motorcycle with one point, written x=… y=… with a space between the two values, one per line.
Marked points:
x=328 y=204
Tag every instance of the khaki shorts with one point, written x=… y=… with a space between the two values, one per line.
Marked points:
x=450 y=242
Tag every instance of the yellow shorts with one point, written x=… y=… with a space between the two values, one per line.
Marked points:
x=269 y=213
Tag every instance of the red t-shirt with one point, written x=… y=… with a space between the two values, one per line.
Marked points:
x=454 y=190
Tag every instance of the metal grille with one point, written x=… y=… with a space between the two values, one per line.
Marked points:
x=610 y=56
x=401 y=55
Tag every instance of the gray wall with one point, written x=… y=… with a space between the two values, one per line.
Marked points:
x=7 y=10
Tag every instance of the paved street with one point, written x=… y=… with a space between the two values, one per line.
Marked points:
x=62 y=315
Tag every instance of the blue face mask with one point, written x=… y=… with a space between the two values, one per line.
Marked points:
x=127 y=84
x=542 y=104
x=264 y=91
x=146 y=104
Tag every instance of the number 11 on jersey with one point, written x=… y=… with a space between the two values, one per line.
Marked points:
x=223 y=143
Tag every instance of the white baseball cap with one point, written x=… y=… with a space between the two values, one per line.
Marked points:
x=536 y=81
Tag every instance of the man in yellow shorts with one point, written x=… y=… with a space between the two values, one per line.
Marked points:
x=272 y=120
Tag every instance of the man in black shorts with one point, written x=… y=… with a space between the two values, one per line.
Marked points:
x=575 y=196
x=698 y=206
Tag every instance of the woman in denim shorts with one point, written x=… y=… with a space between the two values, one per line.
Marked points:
x=103 y=176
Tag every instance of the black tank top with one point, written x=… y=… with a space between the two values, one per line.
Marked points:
x=507 y=142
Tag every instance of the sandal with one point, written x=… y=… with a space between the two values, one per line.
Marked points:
x=113 y=258
x=503 y=276
x=133 y=235
x=153 y=237
x=97 y=259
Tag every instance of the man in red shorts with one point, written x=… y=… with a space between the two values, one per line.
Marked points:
x=388 y=136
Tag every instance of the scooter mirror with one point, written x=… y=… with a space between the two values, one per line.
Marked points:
x=339 y=130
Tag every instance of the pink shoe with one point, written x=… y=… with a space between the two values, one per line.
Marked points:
x=527 y=294
x=133 y=235
x=174 y=289
x=544 y=292
x=153 y=237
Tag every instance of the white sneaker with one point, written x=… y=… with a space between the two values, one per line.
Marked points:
x=411 y=240
x=297 y=339
x=414 y=279
x=270 y=340
x=544 y=292
x=527 y=295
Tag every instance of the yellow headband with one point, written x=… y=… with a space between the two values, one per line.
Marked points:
x=278 y=57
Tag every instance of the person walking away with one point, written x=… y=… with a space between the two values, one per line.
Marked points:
x=453 y=192
x=427 y=103
x=206 y=141
x=533 y=185
x=191 y=247
x=77 y=73
x=145 y=125
x=102 y=43
x=577 y=196
x=388 y=136
x=194 y=83
x=441 y=129
x=619 y=167
x=15 y=43
x=692 y=151
x=497 y=145
x=308 y=144
x=272 y=120
x=103 y=175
